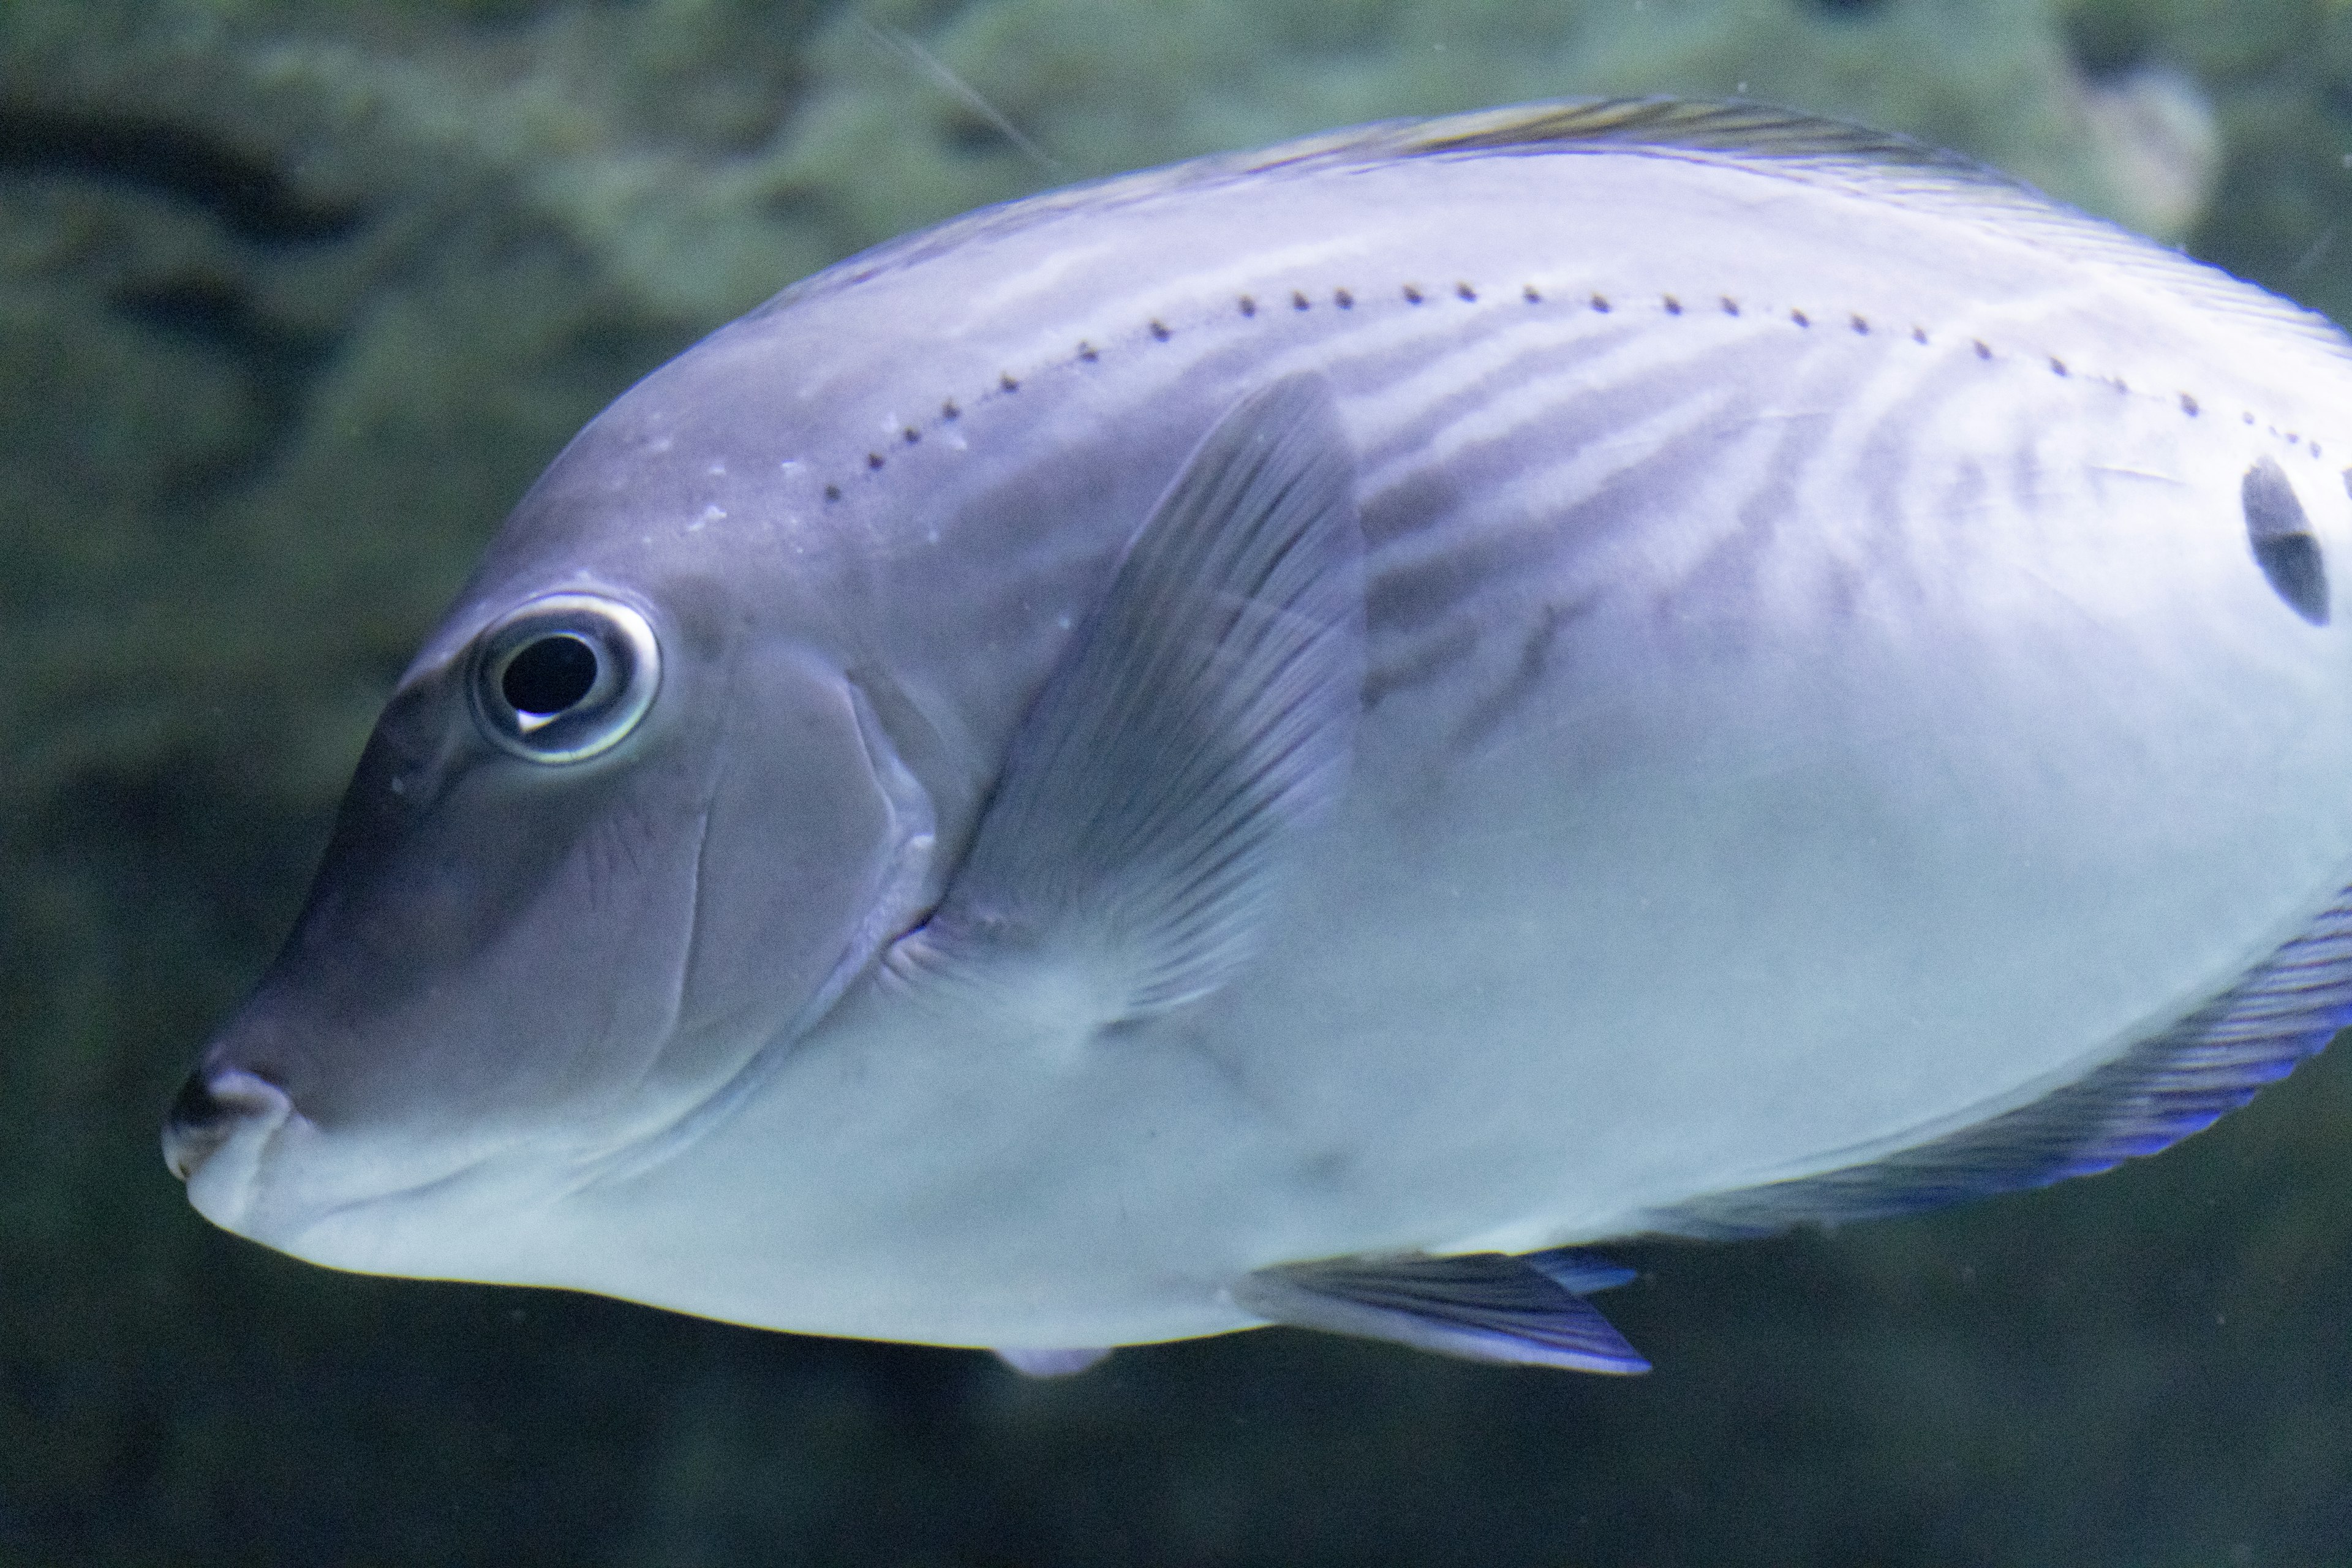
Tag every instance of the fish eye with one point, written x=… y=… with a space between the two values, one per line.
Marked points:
x=565 y=677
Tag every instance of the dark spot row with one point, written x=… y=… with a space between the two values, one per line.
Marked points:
x=1345 y=299
x=1412 y=294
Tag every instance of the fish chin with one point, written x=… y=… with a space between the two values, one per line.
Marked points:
x=370 y=1208
x=369 y=1199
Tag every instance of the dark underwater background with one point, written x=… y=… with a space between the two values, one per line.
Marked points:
x=294 y=301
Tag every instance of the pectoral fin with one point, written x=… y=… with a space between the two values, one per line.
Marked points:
x=1484 y=1306
x=1125 y=859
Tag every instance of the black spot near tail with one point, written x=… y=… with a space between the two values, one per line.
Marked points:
x=2283 y=544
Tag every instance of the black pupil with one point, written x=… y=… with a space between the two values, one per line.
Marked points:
x=549 y=675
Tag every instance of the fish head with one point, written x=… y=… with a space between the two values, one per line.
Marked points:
x=622 y=824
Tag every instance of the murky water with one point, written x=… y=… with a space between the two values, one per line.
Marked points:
x=294 y=301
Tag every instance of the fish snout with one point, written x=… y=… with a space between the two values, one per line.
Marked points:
x=210 y=1106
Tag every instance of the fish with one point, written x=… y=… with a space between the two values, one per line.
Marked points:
x=1312 y=736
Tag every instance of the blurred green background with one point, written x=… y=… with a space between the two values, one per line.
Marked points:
x=294 y=301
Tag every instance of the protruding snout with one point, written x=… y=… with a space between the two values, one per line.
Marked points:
x=211 y=1106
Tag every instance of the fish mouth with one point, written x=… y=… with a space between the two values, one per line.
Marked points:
x=214 y=1135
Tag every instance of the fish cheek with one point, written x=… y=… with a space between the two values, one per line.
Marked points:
x=797 y=850
x=478 y=937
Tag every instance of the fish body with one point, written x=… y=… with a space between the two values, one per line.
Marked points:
x=1288 y=738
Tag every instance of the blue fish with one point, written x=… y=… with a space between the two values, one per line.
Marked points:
x=1301 y=738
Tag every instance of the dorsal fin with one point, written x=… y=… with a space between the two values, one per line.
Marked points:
x=1662 y=124
x=1874 y=163
x=1765 y=140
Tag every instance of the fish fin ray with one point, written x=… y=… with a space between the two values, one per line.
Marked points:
x=1485 y=1306
x=1206 y=712
x=2159 y=1091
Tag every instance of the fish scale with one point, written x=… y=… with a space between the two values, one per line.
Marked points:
x=1298 y=737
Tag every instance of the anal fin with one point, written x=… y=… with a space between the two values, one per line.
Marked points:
x=2163 y=1089
x=1487 y=1306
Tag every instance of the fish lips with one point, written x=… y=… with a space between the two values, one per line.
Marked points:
x=219 y=1127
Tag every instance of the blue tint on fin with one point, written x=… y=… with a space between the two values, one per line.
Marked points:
x=1484 y=1306
x=1578 y=1272
x=2151 y=1096
x=1048 y=1363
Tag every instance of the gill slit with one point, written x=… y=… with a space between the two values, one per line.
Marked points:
x=693 y=937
